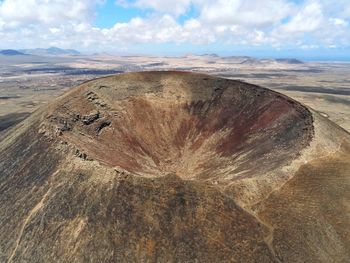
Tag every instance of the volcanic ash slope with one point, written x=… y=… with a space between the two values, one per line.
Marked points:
x=174 y=167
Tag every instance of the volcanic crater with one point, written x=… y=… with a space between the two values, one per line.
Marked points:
x=174 y=167
x=184 y=128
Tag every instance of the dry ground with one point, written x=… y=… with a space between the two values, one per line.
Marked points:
x=30 y=81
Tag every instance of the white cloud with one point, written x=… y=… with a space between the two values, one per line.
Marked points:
x=308 y=19
x=338 y=22
x=254 y=13
x=176 y=7
x=156 y=29
x=277 y=23
x=308 y=47
x=54 y=12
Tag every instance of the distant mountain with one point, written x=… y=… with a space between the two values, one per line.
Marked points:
x=101 y=54
x=211 y=55
x=237 y=57
x=52 y=51
x=11 y=52
x=255 y=61
x=242 y=59
x=289 y=61
x=251 y=61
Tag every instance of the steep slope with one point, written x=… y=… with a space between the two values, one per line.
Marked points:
x=174 y=167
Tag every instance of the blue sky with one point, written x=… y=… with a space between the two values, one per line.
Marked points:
x=109 y=13
x=312 y=29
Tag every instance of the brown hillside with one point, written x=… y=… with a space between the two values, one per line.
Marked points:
x=174 y=167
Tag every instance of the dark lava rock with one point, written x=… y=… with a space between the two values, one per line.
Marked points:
x=88 y=119
x=102 y=125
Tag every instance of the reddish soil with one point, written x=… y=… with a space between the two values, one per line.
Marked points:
x=199 y=130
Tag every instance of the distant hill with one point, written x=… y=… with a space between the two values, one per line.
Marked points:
x=289 y=60
x=211 y=55
x=251 y=61
x=52 y=51
x=254 y=61
x=11 y=52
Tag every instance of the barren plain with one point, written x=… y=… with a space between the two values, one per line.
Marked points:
x=27 y=82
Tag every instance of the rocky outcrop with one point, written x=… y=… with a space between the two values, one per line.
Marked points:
x=88 y=119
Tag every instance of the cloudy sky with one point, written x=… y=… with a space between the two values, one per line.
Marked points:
x=228 y=27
